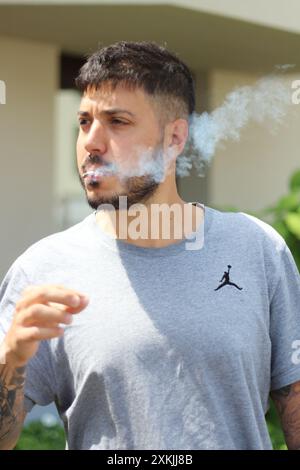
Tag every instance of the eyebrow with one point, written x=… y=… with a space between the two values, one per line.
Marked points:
x=108 y=112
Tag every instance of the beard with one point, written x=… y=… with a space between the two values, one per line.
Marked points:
x=137 y=189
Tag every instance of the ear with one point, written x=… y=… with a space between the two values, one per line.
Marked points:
x=177 y=135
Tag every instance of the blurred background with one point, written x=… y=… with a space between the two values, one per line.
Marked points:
x=226 y=43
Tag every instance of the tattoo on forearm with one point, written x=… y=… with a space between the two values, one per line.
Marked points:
x=287 y=401
x=11 y=399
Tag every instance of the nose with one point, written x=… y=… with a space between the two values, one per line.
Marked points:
x=96 y=141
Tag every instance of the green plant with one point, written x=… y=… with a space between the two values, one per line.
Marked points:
x=275 y=429
x=37 y=436
x=285 y=216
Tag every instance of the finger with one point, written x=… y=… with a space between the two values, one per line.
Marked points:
x=59 y=286
x=58 y=306
x=44 y=294
x=43 y=316
x=35 y=333
x=83 y=303
x=30 y=288
x=75 y=291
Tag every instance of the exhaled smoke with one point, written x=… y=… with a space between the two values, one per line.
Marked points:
x=266 y=102
x=284 y=67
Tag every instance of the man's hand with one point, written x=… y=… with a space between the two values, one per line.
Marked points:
x=287 y=402
x=37 y=316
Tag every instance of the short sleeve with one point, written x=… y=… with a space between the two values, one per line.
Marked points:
x=39 y=384
x=12 y=286
x=285 y=323
x=40 y=387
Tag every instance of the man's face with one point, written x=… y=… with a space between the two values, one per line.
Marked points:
x=117 y=127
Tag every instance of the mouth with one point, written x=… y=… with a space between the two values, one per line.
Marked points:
x=95 y=173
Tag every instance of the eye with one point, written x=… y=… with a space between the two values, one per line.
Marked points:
x=82 y=122
x=117 y=122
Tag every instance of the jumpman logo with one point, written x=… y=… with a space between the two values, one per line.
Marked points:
x=226 y=280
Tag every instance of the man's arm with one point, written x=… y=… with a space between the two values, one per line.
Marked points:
x=12 y=413
x=287 y=402
x=38 y=316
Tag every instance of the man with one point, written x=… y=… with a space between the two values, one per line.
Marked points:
x=155 y=357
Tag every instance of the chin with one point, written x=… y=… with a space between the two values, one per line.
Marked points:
x=106 y=197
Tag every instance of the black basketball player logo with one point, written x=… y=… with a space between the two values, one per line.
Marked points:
x=226 y=280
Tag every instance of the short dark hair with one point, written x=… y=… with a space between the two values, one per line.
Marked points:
x=146 y=65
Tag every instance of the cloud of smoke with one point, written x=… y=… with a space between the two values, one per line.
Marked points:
x=266 y=102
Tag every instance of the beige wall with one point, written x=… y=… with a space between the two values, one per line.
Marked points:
x=194 y=187
x=30 y=71
x=66 y=130
x=69 y=198
x=254 y=172
x=274 y=13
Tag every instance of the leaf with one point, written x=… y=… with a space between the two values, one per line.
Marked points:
x=291 y=202
x=268 y=210
x=292 y=221
x=281 y=228
x=294 y=183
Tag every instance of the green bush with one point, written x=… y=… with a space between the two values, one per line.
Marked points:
x=275 y=430
x=285 y=216
x=37 y=436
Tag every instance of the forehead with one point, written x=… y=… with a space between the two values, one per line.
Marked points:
x=105 y=97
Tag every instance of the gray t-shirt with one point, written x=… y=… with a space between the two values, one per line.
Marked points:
x=161 y=358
